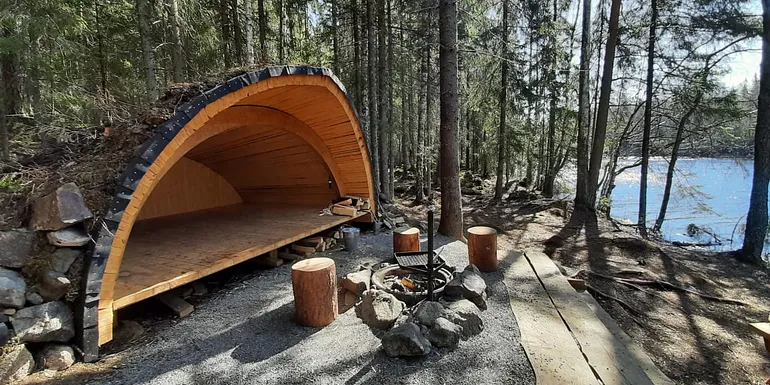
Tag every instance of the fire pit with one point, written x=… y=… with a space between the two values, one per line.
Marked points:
x=410 y=285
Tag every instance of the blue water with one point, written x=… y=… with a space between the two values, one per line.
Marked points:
x=710 y=193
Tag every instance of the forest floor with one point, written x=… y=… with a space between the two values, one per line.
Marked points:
x=694 y=339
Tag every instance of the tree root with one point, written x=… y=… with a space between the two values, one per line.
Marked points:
x=637 y=282
x=598 y=293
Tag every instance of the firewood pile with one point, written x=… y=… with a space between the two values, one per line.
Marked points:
x=303 y=248
x=348 y=206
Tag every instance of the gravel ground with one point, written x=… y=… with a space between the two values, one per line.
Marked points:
x=246 y=335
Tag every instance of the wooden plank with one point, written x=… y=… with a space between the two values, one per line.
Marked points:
x=761 y=328
x=549 y=345
x=302 y=250
x=177 y=305
x=201 y=188
x=609 y=355
x=344 y=210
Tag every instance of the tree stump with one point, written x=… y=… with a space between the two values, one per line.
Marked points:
x=482 y=248
x=315 y=291
x=406 y=239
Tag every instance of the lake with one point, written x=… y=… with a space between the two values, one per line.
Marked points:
x=710 y=193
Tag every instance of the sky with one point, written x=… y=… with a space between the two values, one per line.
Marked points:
x=744 y=66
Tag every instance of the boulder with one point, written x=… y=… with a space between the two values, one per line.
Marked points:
x=12 y=289
x=469 y=285
x=69 y=237
x=53 y=285
x=16 y=364
x=467 y=315
x=51 y=321
x=62 y=259
x=5 y=334
x=428 y=312
x=405 y=341
x=379 y=309
x=34 y=298
x=358 y=282
x=56 y=357
x=59 y=209
x=444 y=333
x=14 y=247
x=127 y=331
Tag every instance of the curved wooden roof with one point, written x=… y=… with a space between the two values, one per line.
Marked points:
x=261 y=136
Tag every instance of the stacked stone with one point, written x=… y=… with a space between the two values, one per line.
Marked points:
x=34 y=284
x=414 y=332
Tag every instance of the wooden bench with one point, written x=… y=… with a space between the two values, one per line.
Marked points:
x=763 y=329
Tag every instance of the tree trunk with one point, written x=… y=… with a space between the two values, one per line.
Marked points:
x=391 y=131
x=503 y=106
x=550 y=153
x=335 y=42
x=8 y=93
x=672 y=163
x=224 y=20
x=420 y=148
x=249 y=24
x=642 y=222
x=143 y=14
x=281 y=32
x=584 y=109
x=264 y=56
x=383 y=103
x=238 y=34
x=373 y=95
x=428 y=114
x=177 y=59
x=756 y=220
x=600 y=131
x=451 y=223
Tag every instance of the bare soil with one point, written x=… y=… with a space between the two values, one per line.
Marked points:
x=694 y=340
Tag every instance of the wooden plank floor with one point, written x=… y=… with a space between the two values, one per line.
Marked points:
x=555 y=356
x=163 y=253
x=568 y=337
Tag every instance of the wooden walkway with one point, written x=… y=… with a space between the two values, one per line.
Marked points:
x=568 y=337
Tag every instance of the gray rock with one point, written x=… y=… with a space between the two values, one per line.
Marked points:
x=469 y=285
x=126 y=332
x=444 y=333
x=358 y=282
x=15 y=365
x=53 y=285
x=51 y=321
x=5 y=334
x=59 y=209
x=56 y=357
x=68 y=237
x=379 y=309
x=3 y=318
x=405 y=341
x=62 y=259
x=14 y=247
x=12 y=289
x=34 y=298
x=467 y=315
x=199 y=288
x=427 y=312
x=8 y=312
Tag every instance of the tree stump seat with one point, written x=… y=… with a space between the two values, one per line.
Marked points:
x=406 y=239
x=314 y=281
x=482 y=248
